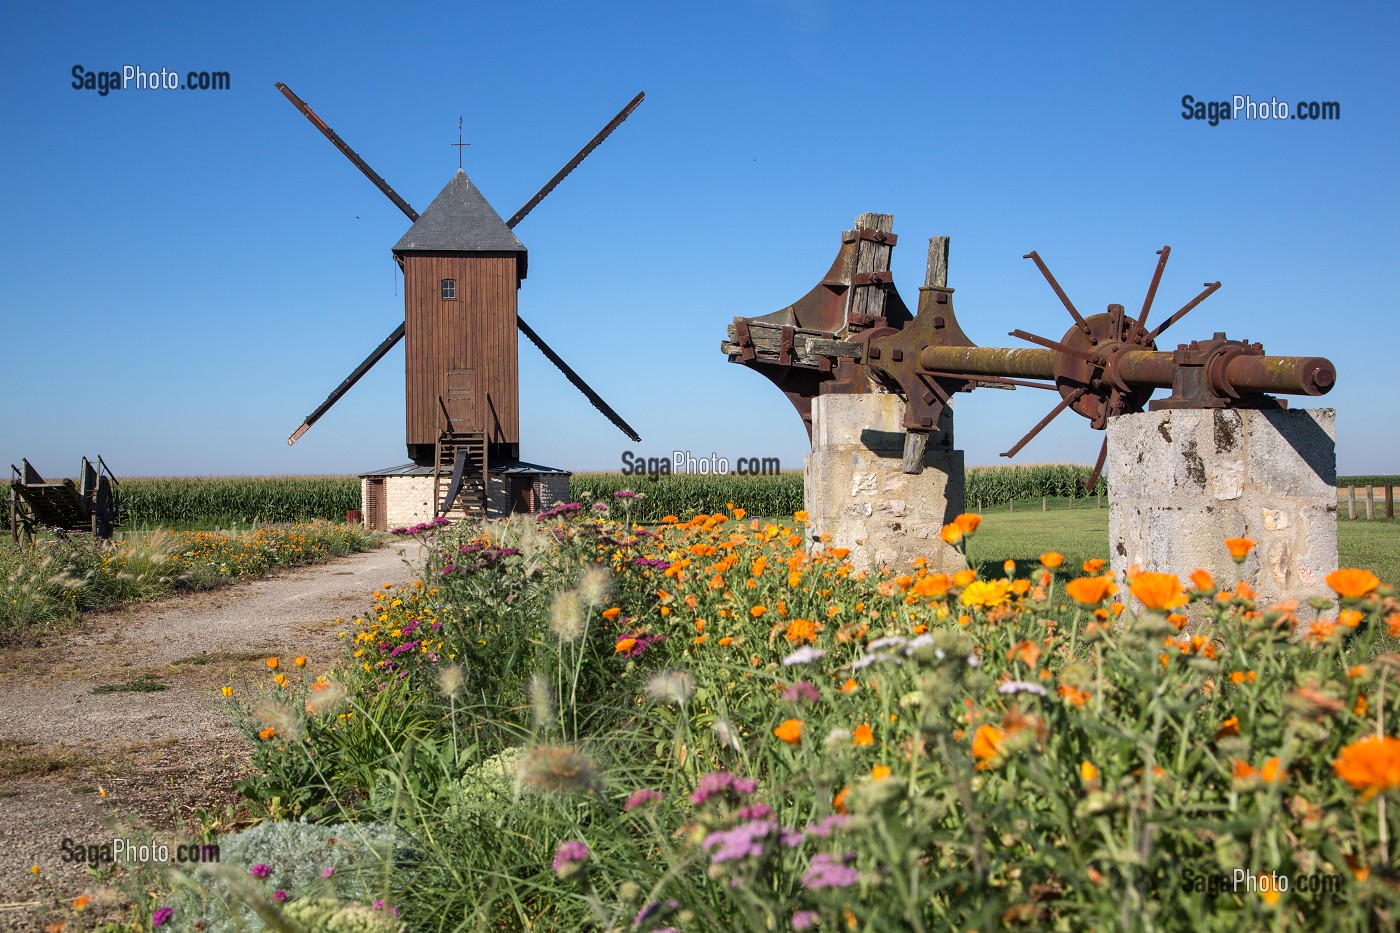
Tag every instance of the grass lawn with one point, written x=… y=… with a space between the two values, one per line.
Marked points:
x=1082 y=533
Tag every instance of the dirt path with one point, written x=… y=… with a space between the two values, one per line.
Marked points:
x=128 y=704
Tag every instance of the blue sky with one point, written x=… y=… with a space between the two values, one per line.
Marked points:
x=187 y=274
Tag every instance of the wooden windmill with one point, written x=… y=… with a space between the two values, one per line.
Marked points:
x=462 y=268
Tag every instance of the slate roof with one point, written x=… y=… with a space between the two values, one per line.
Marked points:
x=461 y=220
x=505 y=467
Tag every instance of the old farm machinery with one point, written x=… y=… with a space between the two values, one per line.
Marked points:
x=852 y=333
x=89 y=505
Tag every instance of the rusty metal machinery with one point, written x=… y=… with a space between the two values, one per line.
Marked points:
x=853 y=334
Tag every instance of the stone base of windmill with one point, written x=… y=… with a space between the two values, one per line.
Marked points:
x=857 y=494
x=1182 y=481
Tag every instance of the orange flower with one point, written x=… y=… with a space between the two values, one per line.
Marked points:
x=1074 y=694
x=1349 y=617
x=624 y=645
x=1239 y=548
x=932 y=586
x=1202 y=580
x=739 y=513
x=1350 y=583
x=612 y=614
x=1090 y=591
x=839 y=553
x=1088 y=772
x=267 y=733
x=280 y=679
x=951 y=534
x=800 y=630
x=838 y=803
x=299 y=662
x=757 y=611
x=1272 y=772
x=986 y=744
x=800 y=516
x=1051 y=560
x=1243 y=771
x=1159 y=591
x=879 y=773
x=790 y=731
x=1094 y=566
x=1027 y=652
x=862 y=737
x=850 y=686
x=80 y=902
x=964 y=577
x=1009 y=567
x=1370 y=765
x=272 y=664
x=967 y=522
x=726 y=641
x=1230 y=726
x=1240 y=677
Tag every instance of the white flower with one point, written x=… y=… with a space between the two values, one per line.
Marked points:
x=1021 y=686
x=804 y=655
x=886 y=642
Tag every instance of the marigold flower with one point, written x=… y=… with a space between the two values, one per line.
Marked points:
x=1158 y=591
x=1074 y=694
x=986 y=593
x=1008 y=566
x=1230 y=726
x=757 y=611
x=964 y=577
x=1051 y=560
x=624 y=645
x=227 y=691
x=1202 y=580
x=272 y=664
x=986 y=744
x=1350 y=618
x=967 y=522
x=1087 y=771
x=1350 y=583
x=879 y=773
x=280 y=679
x=80 y=902
x=850 y=686
x=1370 y=765
x=267 y=733
x=299 y=661
x=612 y=614
x=726 y=641
x=840 y=553
x=789 y=731
x=1273 y=772
x=951 y=534
x=1094 y=566
x=1090 y=591
x=838 y=803
x=1239 y=548
x=800 y=630
x=862 y=737
x=800 y=516
x=1027 y=652
x=931 y=586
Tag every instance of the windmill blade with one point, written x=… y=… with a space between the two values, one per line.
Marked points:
x=573 y=163
x=1209 y=290
x=577 y=380
x=349 y=153
x=350 y=380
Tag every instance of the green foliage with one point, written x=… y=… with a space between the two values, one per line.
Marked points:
x=1368 y=480
x=202 y=502
x=781 y=495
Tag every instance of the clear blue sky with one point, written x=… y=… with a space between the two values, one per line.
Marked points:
x=187 y=274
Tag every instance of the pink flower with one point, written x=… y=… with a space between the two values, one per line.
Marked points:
x=162 y=914
x=260 y=871
x=327 y=871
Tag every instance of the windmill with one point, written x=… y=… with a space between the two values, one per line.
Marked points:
x=462 y=268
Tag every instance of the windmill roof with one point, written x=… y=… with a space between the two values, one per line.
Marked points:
x=459 y=220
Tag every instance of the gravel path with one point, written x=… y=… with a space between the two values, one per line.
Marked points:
x=82 y=762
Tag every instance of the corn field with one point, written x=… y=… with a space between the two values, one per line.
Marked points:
x=174 y=502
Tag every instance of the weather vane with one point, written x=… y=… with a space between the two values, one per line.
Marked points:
x=459 y=144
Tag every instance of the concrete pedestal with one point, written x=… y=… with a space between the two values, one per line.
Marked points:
x=1183 y=481
x=856 y=492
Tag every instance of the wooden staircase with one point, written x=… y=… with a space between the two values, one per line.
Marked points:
x=459 y=475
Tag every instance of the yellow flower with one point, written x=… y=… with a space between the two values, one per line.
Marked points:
x=1350 y=583
x=1087 y=771
x=790 y=731
x=879 y=773
x=862 y=737
x=299 y=662
x=227 y=691
x=1370 y=765
x=799 y=516
x=986 y=593
x=272 y=664
x=280 y=680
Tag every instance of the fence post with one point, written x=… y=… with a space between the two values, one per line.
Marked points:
x=1043 y=507
x=979 y=505
x=1351 y=503
x=1011 y=504
x=1370 y=503
x=1389 y=501
x=1098 y=500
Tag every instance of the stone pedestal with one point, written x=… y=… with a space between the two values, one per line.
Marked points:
x=856 y=492
x=1183 y=481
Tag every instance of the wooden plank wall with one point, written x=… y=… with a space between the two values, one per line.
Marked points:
x=475 y=331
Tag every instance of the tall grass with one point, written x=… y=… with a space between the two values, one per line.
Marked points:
x=201 y=501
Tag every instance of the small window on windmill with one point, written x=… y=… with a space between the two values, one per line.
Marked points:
x=449 y=289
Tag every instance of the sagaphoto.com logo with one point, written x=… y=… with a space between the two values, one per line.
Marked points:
x=1245 y=107
x=712 y=464
x=134 y=77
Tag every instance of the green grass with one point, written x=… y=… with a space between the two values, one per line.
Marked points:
x=1082 y=534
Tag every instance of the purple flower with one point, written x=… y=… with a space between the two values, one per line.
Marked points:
x=754 y=811
x=804 y=655
x=569 y=857
x=406 y=646
x=652 y=909
x=327 y=871
x=600 y=506
x=624 y=494
x=721 y=782
x=279 y=896
x=805 y=919
x=824 y=828
x=826 y=871
x=741 y=842
x=789 y=838
x=641 y=798
x=409 y=626
x=260 y=871
x=801 y=692
x=161 y=915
